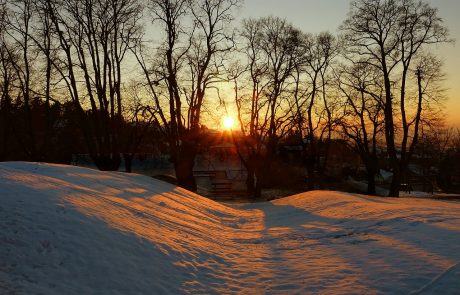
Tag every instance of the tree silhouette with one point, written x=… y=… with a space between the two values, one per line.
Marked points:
x=391 y=34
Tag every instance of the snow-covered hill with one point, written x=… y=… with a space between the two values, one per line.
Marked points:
x=70 y=230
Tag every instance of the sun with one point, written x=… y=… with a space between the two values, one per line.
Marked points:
x=228 y=123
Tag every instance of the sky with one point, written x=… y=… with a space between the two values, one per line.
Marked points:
x=327 y=15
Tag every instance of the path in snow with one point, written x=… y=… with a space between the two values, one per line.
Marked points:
x=71 y=230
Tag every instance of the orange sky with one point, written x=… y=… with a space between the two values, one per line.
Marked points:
x=320 y=15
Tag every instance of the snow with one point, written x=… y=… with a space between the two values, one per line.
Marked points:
x=71 y=230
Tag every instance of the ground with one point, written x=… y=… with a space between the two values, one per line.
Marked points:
x=70 y=230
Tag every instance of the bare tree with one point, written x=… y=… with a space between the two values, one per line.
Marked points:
x=269 y=46
x=455 y=141
x=313 y=106
x=139 y=119
x=391 y=34
x=42 y=39
x=253 y=124
x=363 y=120
x=8 y=77
x=18 y=26
x=279 y=42
x=189 y=62
x=94 y=37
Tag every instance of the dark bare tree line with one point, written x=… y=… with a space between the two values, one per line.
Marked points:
x=378 y=87
x=95 y=65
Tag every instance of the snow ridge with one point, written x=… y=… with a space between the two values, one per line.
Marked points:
x=72 y=230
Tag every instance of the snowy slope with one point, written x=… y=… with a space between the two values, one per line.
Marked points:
x=70 y=230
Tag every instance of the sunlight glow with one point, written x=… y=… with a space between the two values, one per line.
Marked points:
x=228 y=122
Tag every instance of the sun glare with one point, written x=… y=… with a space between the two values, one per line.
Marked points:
x=228 y=122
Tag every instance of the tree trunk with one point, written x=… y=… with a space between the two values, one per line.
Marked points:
x=310 y=173
x=372 y=168
x=371 y=182
x=184 y=173
x=395 y=182
x=128 y=162
x=250 y=179
x=184 y=160
x=5 y=117
x=260 y=168
x=107 y=162
x=258 y=187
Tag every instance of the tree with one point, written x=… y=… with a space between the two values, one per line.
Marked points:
x=313 y=107
x=269 y=46
x=279 y=43
x=8 y=78
x=18 y=29
x=139 y=119
x=391 y=34
x=43 y=39
x=94 y=37
x=363 y=119
x=189 y=62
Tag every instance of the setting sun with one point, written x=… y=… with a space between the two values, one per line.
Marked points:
x=228 y=122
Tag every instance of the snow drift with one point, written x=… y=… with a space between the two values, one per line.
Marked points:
x=70 y=230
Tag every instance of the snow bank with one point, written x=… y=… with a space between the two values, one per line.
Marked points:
x=70 y=230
